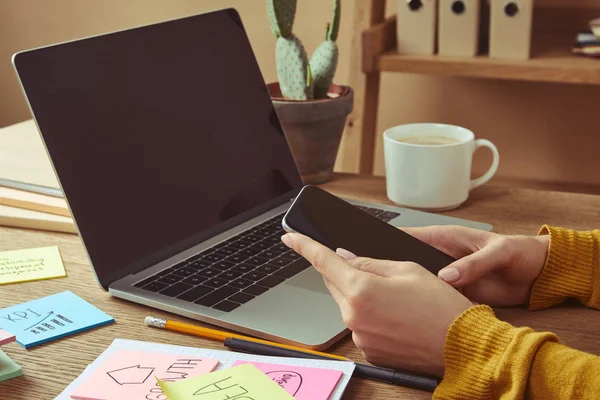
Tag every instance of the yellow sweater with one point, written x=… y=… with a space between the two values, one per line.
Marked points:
x=489 y=359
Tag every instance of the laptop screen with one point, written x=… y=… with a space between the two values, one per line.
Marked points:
x=158 y=135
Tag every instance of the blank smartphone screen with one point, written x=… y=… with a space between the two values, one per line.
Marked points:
x=336 y=223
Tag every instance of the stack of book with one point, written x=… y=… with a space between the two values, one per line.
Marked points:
x=30 y=196
x=588 y=43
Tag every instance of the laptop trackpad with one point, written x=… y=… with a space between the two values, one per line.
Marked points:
x=310 y=280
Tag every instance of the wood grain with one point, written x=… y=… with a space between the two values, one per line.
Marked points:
x=377 y=40
x=358 y=142
x=51 y=367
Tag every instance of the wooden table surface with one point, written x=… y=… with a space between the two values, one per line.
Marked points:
x=49 y=368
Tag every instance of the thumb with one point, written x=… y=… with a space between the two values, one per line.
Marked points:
x=472 y=267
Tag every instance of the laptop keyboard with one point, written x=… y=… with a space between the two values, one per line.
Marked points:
x=237 y=270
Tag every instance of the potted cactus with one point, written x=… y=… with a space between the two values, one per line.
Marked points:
x=311 y=108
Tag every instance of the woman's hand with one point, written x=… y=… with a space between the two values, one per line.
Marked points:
x=492 y=269
x=399 y=313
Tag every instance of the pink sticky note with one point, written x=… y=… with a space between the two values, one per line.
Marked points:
x=6 y=337
x=303 y=383
x=131 y=375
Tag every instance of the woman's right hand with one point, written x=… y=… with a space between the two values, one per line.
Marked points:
x=492 y=269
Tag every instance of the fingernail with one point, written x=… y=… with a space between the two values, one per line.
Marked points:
x=449 y=275
x=348 y=255
x=287 y=240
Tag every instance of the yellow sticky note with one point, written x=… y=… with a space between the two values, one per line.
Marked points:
x=30 y=265
x=245 y=382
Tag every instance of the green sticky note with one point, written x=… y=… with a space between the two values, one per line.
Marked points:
x=8 y=368
x=245 y=382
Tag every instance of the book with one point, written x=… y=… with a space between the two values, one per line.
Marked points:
x=33 y=201
x=587 y=44
x=23 y=156
x=22 y=218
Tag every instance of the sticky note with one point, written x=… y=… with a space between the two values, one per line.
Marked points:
x=304 y=383
x=245 y=382
x=6 y=337
x=132 y=375
x=52 y=317
x=31 y=265
x=8 y=368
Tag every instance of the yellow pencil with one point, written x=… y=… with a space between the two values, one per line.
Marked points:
x=214 y=334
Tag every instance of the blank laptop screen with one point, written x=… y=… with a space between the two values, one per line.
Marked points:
x=157 y=134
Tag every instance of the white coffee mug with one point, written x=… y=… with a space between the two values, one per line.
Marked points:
x=428 y=166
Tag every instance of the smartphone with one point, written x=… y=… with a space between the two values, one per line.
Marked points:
x=335 y=223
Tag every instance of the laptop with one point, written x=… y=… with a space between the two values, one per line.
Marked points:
x=177 y=173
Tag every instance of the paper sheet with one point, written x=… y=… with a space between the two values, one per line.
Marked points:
x=30 y=265
x=242 y=382
x=226 y=358
x=301 y=382
x=51 y=317
x=131 y=374
x=6 y=337
x=8 y=368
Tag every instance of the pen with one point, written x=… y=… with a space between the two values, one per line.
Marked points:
x=265 y=347
x=361 y=370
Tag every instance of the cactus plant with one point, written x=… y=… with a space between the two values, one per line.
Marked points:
x=299 y=78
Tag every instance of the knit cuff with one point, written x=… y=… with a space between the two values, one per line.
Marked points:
x=569 y=268
x=486 y=358
x=476 y=340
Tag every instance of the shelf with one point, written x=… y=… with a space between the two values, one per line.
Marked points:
x=554 y=33
x=551 y=62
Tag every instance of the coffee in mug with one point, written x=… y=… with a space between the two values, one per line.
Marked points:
x=429 y=140
x=428 y=166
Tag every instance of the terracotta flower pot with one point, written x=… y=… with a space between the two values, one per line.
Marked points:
x=314 y=129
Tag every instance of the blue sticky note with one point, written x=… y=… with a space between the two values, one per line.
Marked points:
x=52 y=317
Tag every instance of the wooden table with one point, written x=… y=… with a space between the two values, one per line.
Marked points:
x=49 y=368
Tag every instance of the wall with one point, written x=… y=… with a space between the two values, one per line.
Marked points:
x=544 y=131
x=31 y=23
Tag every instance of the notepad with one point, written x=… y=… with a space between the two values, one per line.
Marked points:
x=6 y=337
x=30 y=265
x=8 y=368
x=245 y=382
x=132 y=374
x=303 y=383
x=226 y=358
x=52 y=317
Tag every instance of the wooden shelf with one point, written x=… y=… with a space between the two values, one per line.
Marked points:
x=555 y=26
x=551 y=61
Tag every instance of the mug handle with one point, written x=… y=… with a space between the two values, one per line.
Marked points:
x=495 y=162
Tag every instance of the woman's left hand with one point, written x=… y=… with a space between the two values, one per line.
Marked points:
x=399 y=313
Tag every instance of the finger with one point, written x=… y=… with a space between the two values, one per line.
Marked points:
x=470 y=268
x=329 y=264
x=346 y=254
x=456 y=241
x=384 y=268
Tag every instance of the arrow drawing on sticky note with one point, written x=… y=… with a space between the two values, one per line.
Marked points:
x=39 y=322
x=134 y=375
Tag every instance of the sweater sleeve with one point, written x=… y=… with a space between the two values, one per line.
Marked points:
x=572 y=269
x=486 y=358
